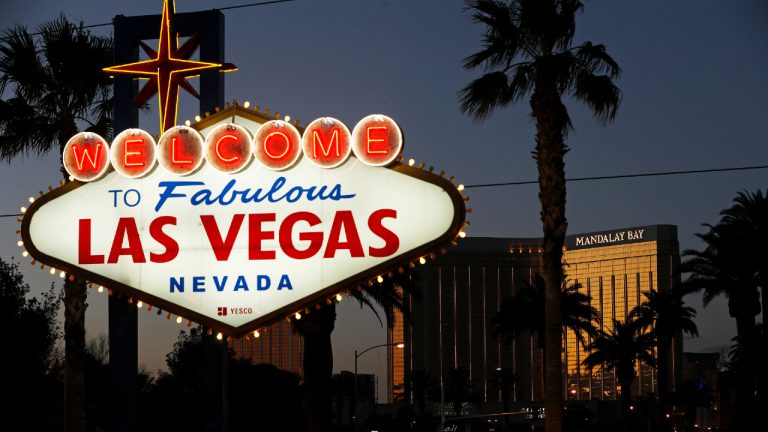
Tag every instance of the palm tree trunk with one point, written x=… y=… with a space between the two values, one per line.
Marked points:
x=74 y=355
x=75 y=293
x=626 y=401
x=316 y=329
x=663 y=348
x=763 y=352
x=745 y=374
x=551 y=122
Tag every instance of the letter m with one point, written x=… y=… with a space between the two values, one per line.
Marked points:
x=319 y=138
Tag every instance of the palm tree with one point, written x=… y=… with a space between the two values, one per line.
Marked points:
x=750 y=213
x=458 y=390
x=56 y=87
x=691 y=395
x=665 y=313
x=316 y=327
x=726 y=267
x=419 y=388
x=621 y=349
x=527 y=48
x=523 y=313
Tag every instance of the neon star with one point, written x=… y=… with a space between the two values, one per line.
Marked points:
x=168 y=70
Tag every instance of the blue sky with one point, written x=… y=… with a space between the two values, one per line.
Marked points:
x=694 y=98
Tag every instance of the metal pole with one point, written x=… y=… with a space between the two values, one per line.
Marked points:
x=354 y=401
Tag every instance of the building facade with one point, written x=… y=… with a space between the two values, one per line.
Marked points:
x=277 y=345
x=451 y=324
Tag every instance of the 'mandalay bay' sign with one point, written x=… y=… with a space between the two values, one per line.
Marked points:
x=245 y=222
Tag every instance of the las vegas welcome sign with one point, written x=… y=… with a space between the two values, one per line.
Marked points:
x=247 y=220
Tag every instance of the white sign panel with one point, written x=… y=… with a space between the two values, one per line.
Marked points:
x=237 y=251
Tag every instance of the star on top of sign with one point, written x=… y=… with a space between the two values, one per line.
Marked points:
x=168 y=70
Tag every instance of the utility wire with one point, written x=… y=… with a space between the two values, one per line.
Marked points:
x=253 y=4
x=577 y=179
x=622 y=176
x=218 y=9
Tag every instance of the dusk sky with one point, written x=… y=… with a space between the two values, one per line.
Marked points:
x=694 y=98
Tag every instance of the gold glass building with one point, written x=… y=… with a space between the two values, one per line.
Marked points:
x=277 y=345
x=451 y=323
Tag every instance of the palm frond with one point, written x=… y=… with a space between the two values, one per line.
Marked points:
x=390 y=294
x=501 y=41
x=594 y=59
x=600 y=94
x=20 y=64
x=480 y=97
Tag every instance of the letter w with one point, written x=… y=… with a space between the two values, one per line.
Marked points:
x=86 y=153
x=222 y=247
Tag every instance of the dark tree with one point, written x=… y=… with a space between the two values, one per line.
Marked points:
x=665 y=314
x=528 y=49
x=261 y=397
x=621 y=349
x=316 y=327
x=30 y=394
x=733 y=263
x=57 y=88
x=523 y=313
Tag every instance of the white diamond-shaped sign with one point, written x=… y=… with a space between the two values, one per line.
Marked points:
x=239 y=251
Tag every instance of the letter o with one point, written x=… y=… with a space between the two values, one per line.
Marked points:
x=277 y=145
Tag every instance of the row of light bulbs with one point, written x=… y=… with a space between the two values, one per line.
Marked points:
x=245 y=105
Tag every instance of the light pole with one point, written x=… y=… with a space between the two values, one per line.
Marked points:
x=398 y=345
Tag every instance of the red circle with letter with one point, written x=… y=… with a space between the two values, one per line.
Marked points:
x=326 y=142
x=133 y=153
x=86 y=156
x=277 y=145
x=377 y=140
x=228 y=148
x=180 y=150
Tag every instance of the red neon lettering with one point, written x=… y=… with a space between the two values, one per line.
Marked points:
x=287 y=145
x=315 y=239
x=86 y=153
x=391 y=240
x=344 y=221
x=218 y=152
x=256 y=234
x=129 y=153
x=317 y=138
x=126 y=230
x=222 y=247
x=84 y=255
x=170 y=245
x=383 y=149
x=174 y=144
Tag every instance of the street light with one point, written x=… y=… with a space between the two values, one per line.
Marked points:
x=398 y=345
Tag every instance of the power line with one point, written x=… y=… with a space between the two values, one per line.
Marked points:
x=219 y=9
x=623 y=176
x=593 y=178
x=253 y=4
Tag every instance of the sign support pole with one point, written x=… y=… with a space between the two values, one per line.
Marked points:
x=123 y=319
